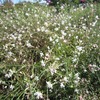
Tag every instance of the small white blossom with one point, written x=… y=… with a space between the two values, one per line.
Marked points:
x=65 y=79
x=76 y=90
x=76 y=82
x=66 y=27
x=41 y=54
x=38 y=29
x=50 y=39
x=63 y=33
x=79 y=48
x=62 y=37
x=57 y=58
x=10 y=53
x=8 y=75
x=84 y=27
x=36 y=78
x=96 y=17
x=65 y=41
x=38 y=95
x=47 y=56
x=14 y=59
x=77 y=75
x=94 y=23
x=62 y=85
x=53 y=70
x=62 y=22
x=74 y=60
x=49 y=85
x=46 y=24
x=27 y=14
x=62 y=7
x=91 y=5
x=28 y=44
x=57 y=40
x=11 y=87
x=42 y=28
x=42 y=63
x=56 y=29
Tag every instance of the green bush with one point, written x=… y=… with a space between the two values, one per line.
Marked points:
x=45 y=55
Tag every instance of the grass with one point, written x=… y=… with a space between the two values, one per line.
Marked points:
x=49 y=55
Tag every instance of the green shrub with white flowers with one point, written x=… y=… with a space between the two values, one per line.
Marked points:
x=46 y=55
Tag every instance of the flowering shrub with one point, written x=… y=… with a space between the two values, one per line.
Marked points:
x=49 y=56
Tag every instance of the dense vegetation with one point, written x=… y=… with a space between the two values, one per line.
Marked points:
x=49 y=55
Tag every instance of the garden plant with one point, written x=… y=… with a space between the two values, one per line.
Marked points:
x=45 y=55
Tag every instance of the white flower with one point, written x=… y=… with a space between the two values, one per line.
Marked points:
x=79 y=48
x=11 y=87
x=27 y=14
x=48 y=15
x=42 y=63
x=69 y=24
x=84 y=27
x=74 y=60
x=36 y=15
x=77 y=78
x=38 y=29
x=50 y=39
x=91 y=5
x=8 y=75
x=42 y=28
x=28 y=44
x=66 y=27
x=56 y=29
x=47 y=56
x=19 y=36
x=95 y=45
x=13 y=45
x=6 y=28
x=10 y=53
x=46 y=30
x=76 y=90
x=77 y=75
x=65 y=79
x=13 y=37
x=94 y=23
x=49 y=85
x=96 y=17
x=38 y=22
x=57 y=40
x=31 y=76
x=62 y=7
x=62 y=85
x=14 y=59
x=76 y=82
x=62 y=37
x=63 y=33
x=46 y=24
x=69 y=35
x=62 y=22
x=41 y=54
x=36 y=78
x=57 y=58
x=65 y=41
x=53 y=70
x=38 y=95
x=48 y=48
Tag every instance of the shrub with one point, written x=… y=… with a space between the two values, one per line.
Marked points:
x=45 y=55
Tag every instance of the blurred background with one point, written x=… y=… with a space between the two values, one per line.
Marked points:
x=17 y=1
